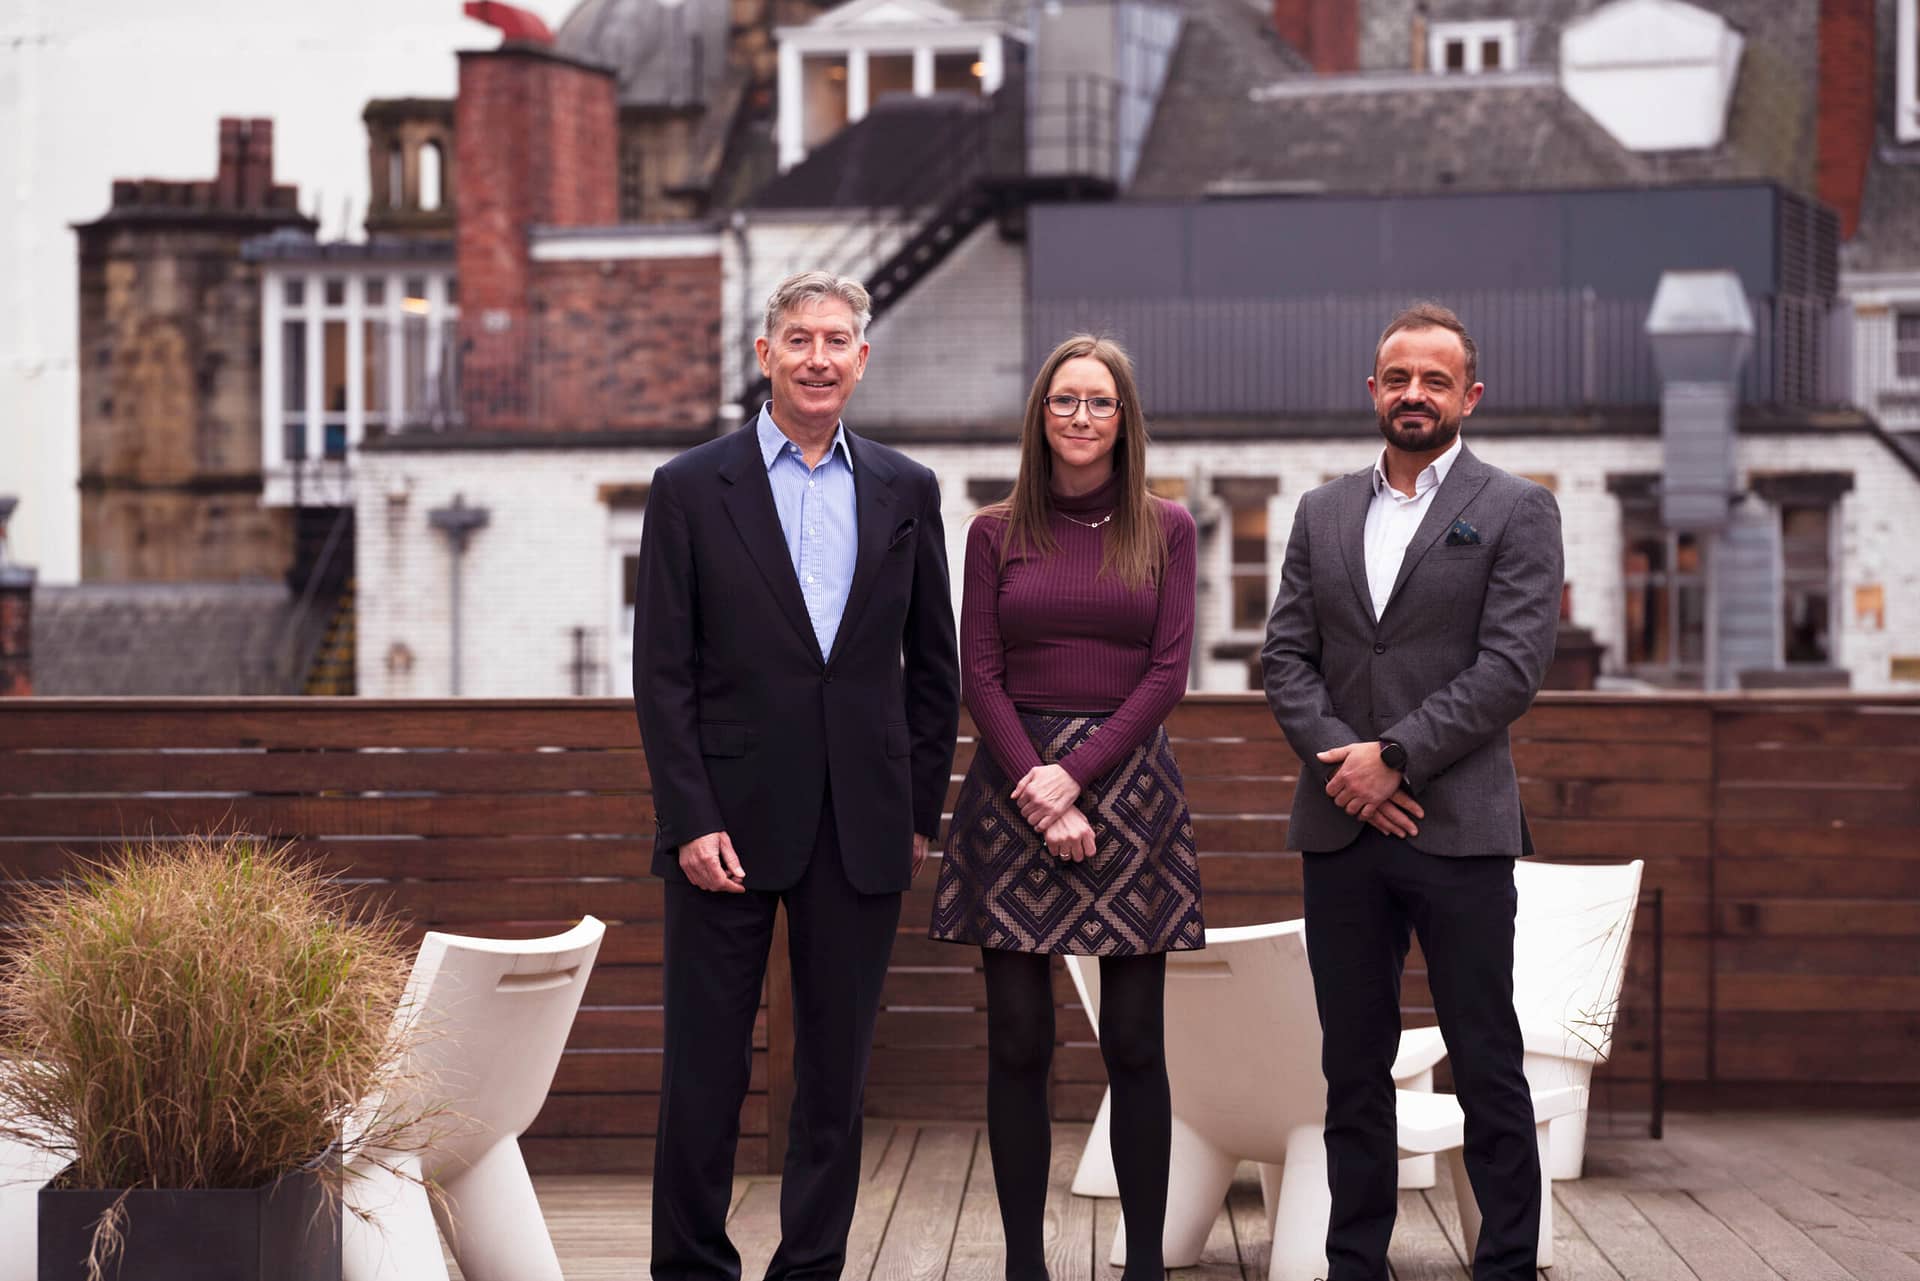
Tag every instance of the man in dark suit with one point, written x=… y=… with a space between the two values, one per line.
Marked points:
x=795 y=674
x=1415 y=620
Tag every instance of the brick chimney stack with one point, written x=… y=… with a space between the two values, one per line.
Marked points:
x=1325 y=32
x=16 y=616
x=536 y=144
x=242 y=184
x=1844 y=124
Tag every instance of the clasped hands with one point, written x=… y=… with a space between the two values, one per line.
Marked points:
x=1045 y=795
x=1371 y=790
x=711 y=864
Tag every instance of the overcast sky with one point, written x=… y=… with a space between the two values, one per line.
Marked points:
x=93 y=90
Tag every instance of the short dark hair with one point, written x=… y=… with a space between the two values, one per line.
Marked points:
x=1432 y=315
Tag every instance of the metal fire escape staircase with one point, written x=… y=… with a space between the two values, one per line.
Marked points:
x=990 y=162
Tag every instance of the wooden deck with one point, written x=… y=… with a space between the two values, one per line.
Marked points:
x=1724 y=1197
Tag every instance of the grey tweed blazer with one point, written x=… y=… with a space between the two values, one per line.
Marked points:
x=1456 y=658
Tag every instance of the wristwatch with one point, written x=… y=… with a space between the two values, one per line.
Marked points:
x=1393 y=756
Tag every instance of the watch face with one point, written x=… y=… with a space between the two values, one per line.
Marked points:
x=1394 y=755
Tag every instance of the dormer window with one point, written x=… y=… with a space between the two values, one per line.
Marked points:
x=835 y=66
x=1469 y=48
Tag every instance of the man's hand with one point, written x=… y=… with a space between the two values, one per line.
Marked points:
x=1395 y=815
x=1363 y=780
x=920 y=847
x=1070 y=837
x=711 y=864
x=1044 y=794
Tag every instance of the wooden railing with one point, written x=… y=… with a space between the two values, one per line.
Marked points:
x=1784 y=832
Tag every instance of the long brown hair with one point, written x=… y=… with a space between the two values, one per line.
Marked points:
x=1135 y=544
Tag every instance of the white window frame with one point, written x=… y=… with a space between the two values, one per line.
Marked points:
x=323 y=477
x=1504 y=31
x=1897 y=312
x=624 y=527
x=1906 y=93
x=1230 y=571
x=1834 y=583
x=981 y=40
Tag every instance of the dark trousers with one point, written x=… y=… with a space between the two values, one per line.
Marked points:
x=716 y=956
x=1361 y=903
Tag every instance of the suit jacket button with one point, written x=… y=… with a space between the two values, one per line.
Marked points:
x=829 y=678
x=1379 y=649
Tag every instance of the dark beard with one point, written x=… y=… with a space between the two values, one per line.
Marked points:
x=1420 y=440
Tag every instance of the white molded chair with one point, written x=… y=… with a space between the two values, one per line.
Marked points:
x=494 y=1016
x=1094 y=1176
x=1243 y=1061
x=1570 y=938
x=23 y=1171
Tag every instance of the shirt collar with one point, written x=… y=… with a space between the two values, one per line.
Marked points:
x=773 y=440
x=1430 y=476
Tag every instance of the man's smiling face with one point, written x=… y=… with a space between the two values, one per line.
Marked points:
x=1420 y=389
x=814 y=359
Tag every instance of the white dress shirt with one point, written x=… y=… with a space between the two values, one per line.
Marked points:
x=1392 y=518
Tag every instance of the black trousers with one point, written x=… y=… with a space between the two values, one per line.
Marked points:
x=716 y=956
x=1361 y=903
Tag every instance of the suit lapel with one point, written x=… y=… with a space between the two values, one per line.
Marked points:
x=875 y=517
x=1464 y=480
x=748 y=499
x=1354 y=501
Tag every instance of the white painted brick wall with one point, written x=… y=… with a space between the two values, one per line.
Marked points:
x=545 y=562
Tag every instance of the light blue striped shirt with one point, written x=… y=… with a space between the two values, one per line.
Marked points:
x=817 y=516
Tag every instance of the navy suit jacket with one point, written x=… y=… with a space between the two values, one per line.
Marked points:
x=747 y=725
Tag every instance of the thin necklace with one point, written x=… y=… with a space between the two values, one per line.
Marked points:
x=1089 y=524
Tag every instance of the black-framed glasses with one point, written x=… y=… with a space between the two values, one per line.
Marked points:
x=1064 y=406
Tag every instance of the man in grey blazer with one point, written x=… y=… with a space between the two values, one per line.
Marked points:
x=1415 y=620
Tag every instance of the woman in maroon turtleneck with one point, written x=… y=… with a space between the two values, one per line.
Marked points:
x=1071 y=833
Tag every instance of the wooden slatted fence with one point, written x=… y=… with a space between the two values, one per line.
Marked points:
x=1784 y=832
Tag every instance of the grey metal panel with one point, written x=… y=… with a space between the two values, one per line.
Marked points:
x=1272 y=305
x=1746 y=593
x=1697 y=454
x=1313 y=354
x=1102 y=252
x=1615 y=242
x=1620 y=242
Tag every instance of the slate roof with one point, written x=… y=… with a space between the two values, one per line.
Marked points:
x=158 y=638
x=663 y=54
x=880 y=160
x=1888 y=237
x=1225 y=118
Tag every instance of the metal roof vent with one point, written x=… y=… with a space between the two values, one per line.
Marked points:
x=1701 y=330
x=1656 y=74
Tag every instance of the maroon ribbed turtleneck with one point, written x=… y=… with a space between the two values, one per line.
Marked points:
x=1050 y=631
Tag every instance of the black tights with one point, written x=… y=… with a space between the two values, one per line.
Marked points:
x=1019 y=1052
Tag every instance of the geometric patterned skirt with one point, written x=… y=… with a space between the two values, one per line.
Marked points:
x=1138 y=894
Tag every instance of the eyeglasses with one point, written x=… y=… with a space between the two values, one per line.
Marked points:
x=1097 y=406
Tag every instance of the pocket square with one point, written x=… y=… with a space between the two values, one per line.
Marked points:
x=1461 y=534
x=906 y=527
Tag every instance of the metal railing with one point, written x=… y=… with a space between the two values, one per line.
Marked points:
x=1008 y=147
x=1538 y=349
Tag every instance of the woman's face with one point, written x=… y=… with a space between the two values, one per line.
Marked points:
x=1080 y=440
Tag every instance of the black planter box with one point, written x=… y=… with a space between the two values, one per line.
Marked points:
x=286 y=1231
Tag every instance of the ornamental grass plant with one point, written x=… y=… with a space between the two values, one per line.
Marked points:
x=207 y=1012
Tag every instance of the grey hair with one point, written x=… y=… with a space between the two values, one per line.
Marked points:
x=809 y=285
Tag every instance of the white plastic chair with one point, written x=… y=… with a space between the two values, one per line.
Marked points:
x=494 y=1015
x=1570 y=938
x=1243 y=1062
x=1094 y=1177
x=23 y=1172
